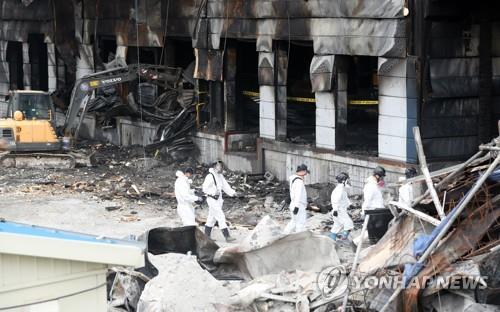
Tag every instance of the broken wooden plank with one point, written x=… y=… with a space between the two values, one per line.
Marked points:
x=425 y=171
x=418 y=214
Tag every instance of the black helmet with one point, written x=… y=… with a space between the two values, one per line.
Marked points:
x=342 y=177
x=217 y=162
x=302 y=167
x=410 y=172
x=380 y=171
x=189 y=170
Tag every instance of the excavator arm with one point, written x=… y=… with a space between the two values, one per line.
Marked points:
x=84 y=87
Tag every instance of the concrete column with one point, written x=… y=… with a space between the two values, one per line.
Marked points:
x=267 y=90
x=281 y=101
x=85 y=63
x=397 y=109
x=485 y=78
x=267 y=108
x=325 y=120
x=52 y=66
x=329 y=84
x=230 y=88
x=216 y=104
x=26 y=67
x=340 y=89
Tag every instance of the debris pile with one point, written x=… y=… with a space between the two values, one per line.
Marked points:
x=181 y=285
x=436 y=251
x=164 y=97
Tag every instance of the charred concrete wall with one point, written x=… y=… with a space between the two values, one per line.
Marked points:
x=432 y=69
x=16 y=24
x=460 y=75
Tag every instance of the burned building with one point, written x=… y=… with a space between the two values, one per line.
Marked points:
x=338 y=85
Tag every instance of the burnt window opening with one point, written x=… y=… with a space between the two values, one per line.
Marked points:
x=202 y=105
x=178 y=52
x=301 y=106
x=15 y=60
x=39 y=61
x=147 y=55
x=65 y=81
x=247 y=86
x=362 y=105
x=106 y=49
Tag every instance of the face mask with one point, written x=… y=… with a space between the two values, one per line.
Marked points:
x=381 y=183
x=347 y=184
x=218 y=168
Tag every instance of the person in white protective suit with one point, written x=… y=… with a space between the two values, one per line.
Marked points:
x=213 y=186
x=406 y=190
x=372 y=192
x=185 y=197
x=298 y=201
x=372 y=198
x=340 y=202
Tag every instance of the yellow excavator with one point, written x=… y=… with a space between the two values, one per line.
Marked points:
x=28 y=134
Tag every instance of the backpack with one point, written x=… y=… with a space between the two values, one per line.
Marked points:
x=288 y=199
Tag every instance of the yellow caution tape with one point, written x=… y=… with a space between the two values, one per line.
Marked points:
x=363 y=102
x=290 y=98
x=251 y=93
x=312 y=100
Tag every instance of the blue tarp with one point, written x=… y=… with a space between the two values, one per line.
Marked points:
x=32 y=230
x=495 y=176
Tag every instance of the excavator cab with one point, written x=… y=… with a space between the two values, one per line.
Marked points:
x=33 y=105
x=30 y=124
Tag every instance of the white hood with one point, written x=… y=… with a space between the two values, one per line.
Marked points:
x=179 y=174
x=293 y=176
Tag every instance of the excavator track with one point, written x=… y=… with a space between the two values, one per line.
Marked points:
x=37 y=160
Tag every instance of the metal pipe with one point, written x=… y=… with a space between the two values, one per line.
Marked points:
x=418 y=214
x=355 y=261
x=489 y=148
x=448 y=225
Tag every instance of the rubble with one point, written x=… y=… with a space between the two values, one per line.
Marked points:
x=271 y=271
x=267 y=250
x=181 y=285
x=419 y=246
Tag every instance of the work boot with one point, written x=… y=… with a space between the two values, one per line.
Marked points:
x=345 y=235
x=208 y=231
x=333 y=236
x=227 y=236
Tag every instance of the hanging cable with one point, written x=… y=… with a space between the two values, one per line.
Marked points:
x=165 y=35
x=226 y=25
x=289 y=40
x=198 y=17
x=139 y=93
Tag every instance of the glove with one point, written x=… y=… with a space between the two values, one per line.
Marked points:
x=296 y=210
x=199 y=201
x=335 y=213
x=239 y=195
